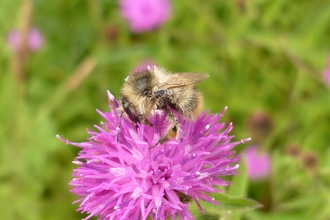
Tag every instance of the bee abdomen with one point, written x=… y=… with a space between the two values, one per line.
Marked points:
x=188 y=103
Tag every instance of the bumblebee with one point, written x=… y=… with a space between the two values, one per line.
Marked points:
x=153 y=89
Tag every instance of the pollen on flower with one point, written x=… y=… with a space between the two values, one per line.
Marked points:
x=62 y=139
x=77 y=162
x=117 y=171
x=120 y=177
x=245 y=140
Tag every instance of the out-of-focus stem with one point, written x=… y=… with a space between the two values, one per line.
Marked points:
x=21 y=55
x=97 y=18
x=81 y=72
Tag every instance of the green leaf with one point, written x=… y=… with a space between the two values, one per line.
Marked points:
x=240 y=181
x=229 y=206
x=236 y=203
x=239 y=185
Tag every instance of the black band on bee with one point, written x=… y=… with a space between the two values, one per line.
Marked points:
x=160 y=93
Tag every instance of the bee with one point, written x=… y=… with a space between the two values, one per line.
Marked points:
x=153 y=89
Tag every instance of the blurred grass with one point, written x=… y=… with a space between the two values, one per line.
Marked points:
x=261 y=55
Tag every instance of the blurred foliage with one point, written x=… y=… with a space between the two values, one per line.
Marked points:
x=262 y=55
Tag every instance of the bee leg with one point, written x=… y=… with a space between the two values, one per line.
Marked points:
x=130 y=110
x=119 y=125
x=144 y=120
x=120 y=120
x=172 y=130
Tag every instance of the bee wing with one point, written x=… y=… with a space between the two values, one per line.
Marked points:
x=183 y=79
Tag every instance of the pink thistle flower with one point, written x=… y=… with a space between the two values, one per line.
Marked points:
x=258 y=164
x=34 y=40
x=145 y=15
x=119 y=175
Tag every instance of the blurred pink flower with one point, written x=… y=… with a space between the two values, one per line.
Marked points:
x=144 y=65
x=120 y=177
x=326 y=74
x=145 y=15
x=258 y=164
x=34 y=39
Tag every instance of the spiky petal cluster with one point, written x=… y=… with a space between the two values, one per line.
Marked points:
x=119 y=175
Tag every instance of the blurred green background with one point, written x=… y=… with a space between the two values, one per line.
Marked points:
x=265 y=58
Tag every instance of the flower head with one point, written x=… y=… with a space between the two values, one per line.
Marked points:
x=34 y=39
x=145 y=15
x=119 y=175
x=260 y=125
x=258 y=164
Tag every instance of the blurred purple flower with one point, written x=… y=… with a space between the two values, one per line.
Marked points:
x=326 y=74
x=258 y=164
x=126 y=179
x=34 y=40
x=145 y=15
x=144 y=65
